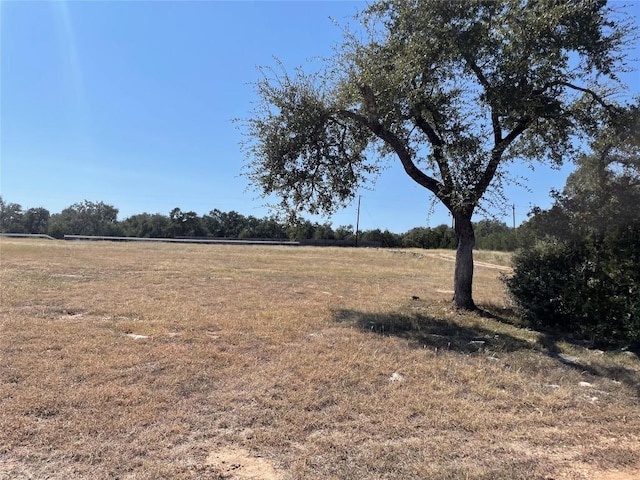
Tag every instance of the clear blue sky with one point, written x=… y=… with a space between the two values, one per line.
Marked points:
x=131 y=102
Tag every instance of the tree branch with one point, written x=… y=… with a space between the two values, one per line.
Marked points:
x=594 y=95
x=496 y=157
x=495 y=119
x=521 y=126
x=372 y=122
x=437 y=144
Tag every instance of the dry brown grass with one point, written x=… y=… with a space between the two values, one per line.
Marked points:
x=312 y=362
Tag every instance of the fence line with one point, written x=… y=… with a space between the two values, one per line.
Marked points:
x=223 y=241
x=27 y=235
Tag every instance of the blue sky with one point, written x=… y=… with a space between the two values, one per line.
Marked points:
x=131 y=103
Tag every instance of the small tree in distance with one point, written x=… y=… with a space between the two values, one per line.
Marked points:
x=456 y=91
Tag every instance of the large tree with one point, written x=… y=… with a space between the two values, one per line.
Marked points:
x=454 y=90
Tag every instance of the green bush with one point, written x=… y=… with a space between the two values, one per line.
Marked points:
x=588 y=288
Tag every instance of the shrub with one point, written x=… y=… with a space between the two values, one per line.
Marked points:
x=583 y=287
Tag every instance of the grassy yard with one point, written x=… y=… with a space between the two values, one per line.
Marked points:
x=149 y=361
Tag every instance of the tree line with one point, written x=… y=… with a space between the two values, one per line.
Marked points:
x=101 y=219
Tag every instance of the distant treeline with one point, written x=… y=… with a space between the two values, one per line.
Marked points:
x=99 y=218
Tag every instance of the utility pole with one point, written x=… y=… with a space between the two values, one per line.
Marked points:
x=358 y=220
x=514 y=216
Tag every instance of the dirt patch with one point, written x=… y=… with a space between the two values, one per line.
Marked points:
x=452 y=258
x=238 y=463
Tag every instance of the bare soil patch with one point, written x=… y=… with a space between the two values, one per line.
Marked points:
x=140 y=361
x=449 y=257
x=238 y=463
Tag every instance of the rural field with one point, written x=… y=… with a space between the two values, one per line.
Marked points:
x=173 y=361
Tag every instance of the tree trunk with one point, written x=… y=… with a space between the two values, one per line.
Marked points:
x=463 y=277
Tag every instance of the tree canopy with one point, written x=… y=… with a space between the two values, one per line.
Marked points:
x=456 y=91
x=85 y=218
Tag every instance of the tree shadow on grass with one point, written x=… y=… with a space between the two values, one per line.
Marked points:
x=549 y=344
x=426 y=331
x=551 y=337
x=619 y=373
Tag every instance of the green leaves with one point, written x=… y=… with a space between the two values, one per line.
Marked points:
x=306 y=151
x=585 y=275
x=454 y=90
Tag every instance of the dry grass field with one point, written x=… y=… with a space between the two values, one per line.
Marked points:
x=166 y=361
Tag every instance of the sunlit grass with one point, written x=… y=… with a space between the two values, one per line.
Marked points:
x=142 y=361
